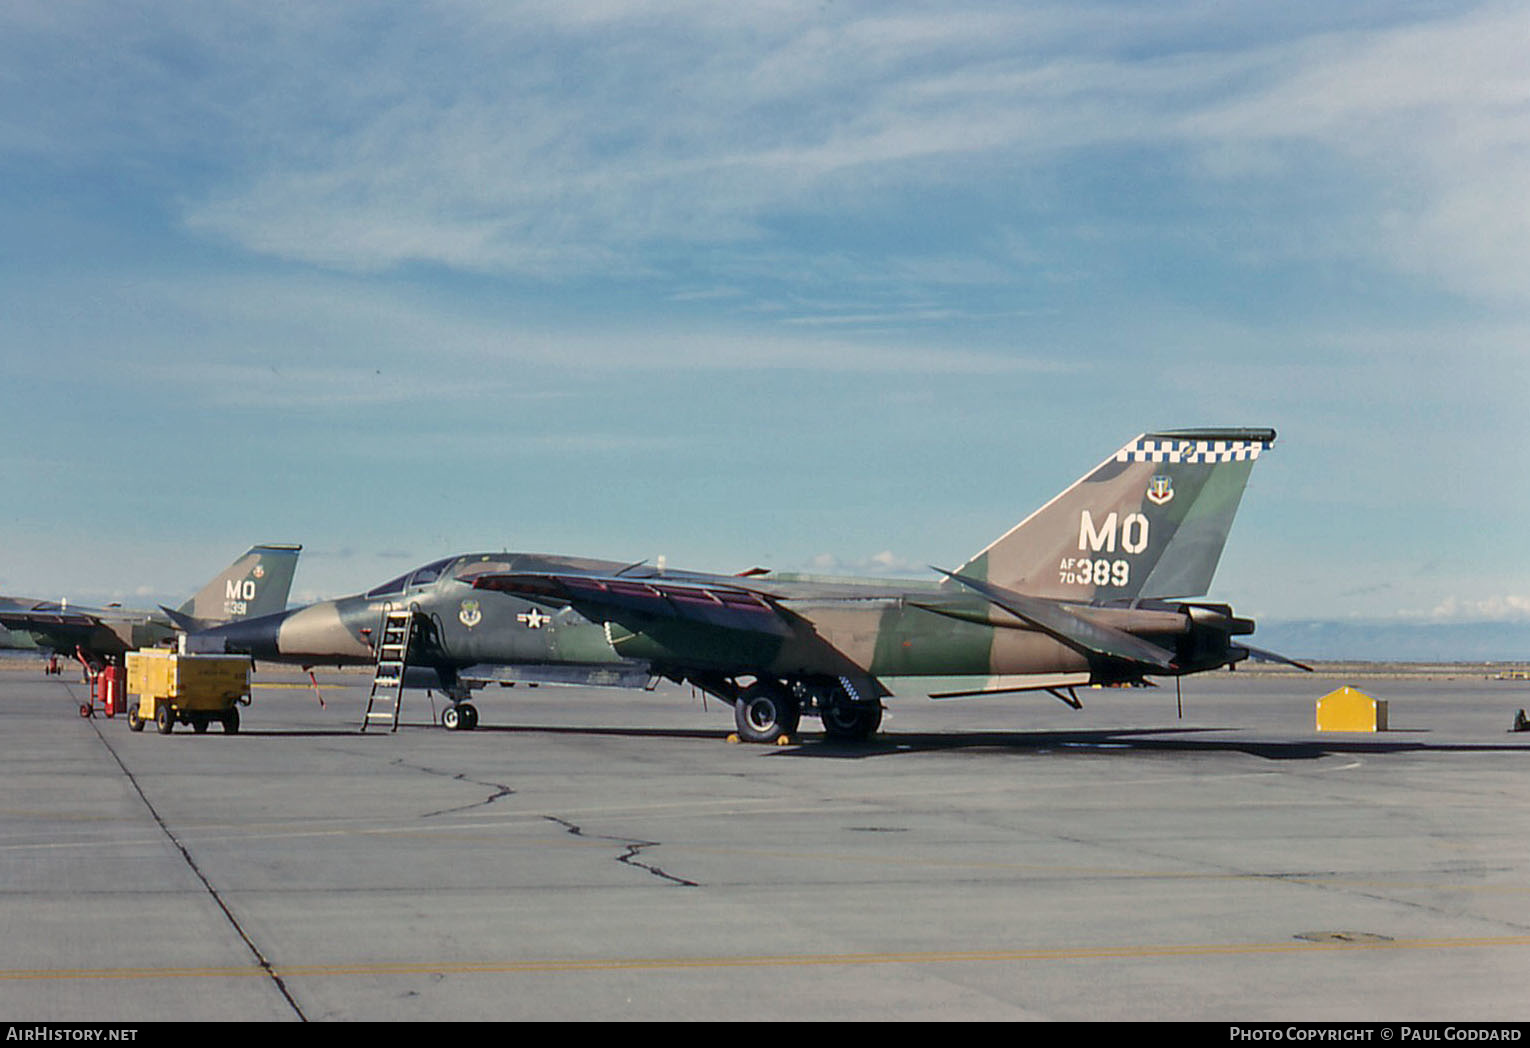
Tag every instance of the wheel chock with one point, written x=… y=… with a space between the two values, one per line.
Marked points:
x=784 y=740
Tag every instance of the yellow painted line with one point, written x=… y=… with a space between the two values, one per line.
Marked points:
x=575 y=965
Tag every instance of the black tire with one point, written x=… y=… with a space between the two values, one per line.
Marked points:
x=851 y=722
x=766 y=712
x=164 y=718
x=469 y=714
x=451 y=718
x=135 y=722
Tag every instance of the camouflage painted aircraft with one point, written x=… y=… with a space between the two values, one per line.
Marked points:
x=1078 y=593
x=256 y=584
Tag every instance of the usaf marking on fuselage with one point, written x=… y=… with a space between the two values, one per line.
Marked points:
x=1089 y=589
x=257 y=583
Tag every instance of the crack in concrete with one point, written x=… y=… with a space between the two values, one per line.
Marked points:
x=500 y=790
x=628 y=857
x=223 y=905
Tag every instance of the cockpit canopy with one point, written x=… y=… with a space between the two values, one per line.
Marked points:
x=412 y=579
x=464 y=568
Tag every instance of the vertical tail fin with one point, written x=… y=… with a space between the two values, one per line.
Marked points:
x=256 y=584
x=1148 y=522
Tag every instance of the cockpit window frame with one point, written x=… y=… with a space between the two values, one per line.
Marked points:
x=432 y=572
x=410 y=580
x=391 y=588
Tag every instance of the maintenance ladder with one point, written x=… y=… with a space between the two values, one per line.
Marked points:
x=398 y=634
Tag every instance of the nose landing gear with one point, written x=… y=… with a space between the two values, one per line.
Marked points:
x=460 y=716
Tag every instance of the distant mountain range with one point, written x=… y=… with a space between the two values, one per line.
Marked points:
x=1397 y=642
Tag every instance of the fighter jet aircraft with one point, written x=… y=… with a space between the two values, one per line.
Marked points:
x=255 y=584
x=1088 y=589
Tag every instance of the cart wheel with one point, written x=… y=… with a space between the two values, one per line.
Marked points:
x=231 y=722
x=164 y=719
x=84 y=709
x=135 y=722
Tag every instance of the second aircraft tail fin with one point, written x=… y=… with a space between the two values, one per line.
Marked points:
x=258 y=583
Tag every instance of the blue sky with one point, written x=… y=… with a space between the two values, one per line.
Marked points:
x=826 y=284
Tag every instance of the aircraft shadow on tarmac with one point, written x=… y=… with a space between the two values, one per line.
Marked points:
x=482 y=729
x=1104 y=741
x=1169 y=740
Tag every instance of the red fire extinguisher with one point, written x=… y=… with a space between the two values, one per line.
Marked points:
x=112 y=679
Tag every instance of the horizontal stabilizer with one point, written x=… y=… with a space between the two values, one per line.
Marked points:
x=1073 y=630
x=1260 y=655
x=184 y=622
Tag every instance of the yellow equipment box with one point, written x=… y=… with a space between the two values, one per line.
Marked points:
x=189 y=689
x=1350 y=710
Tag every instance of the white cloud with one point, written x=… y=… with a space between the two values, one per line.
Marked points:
x=886 y=563
x=1507 y=607
x=330 y=341
x=550 y=140
x=1432 y=118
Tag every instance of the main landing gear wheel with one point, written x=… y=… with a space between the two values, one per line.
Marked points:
x=461 y=717
x=851 y=721
x=766 y=712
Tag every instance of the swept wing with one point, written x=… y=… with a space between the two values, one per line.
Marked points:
x=597 y=597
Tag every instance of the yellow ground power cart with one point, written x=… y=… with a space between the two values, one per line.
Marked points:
x=189 y=689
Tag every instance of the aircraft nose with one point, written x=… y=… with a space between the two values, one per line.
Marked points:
x=319 y=633
x=324 y=632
